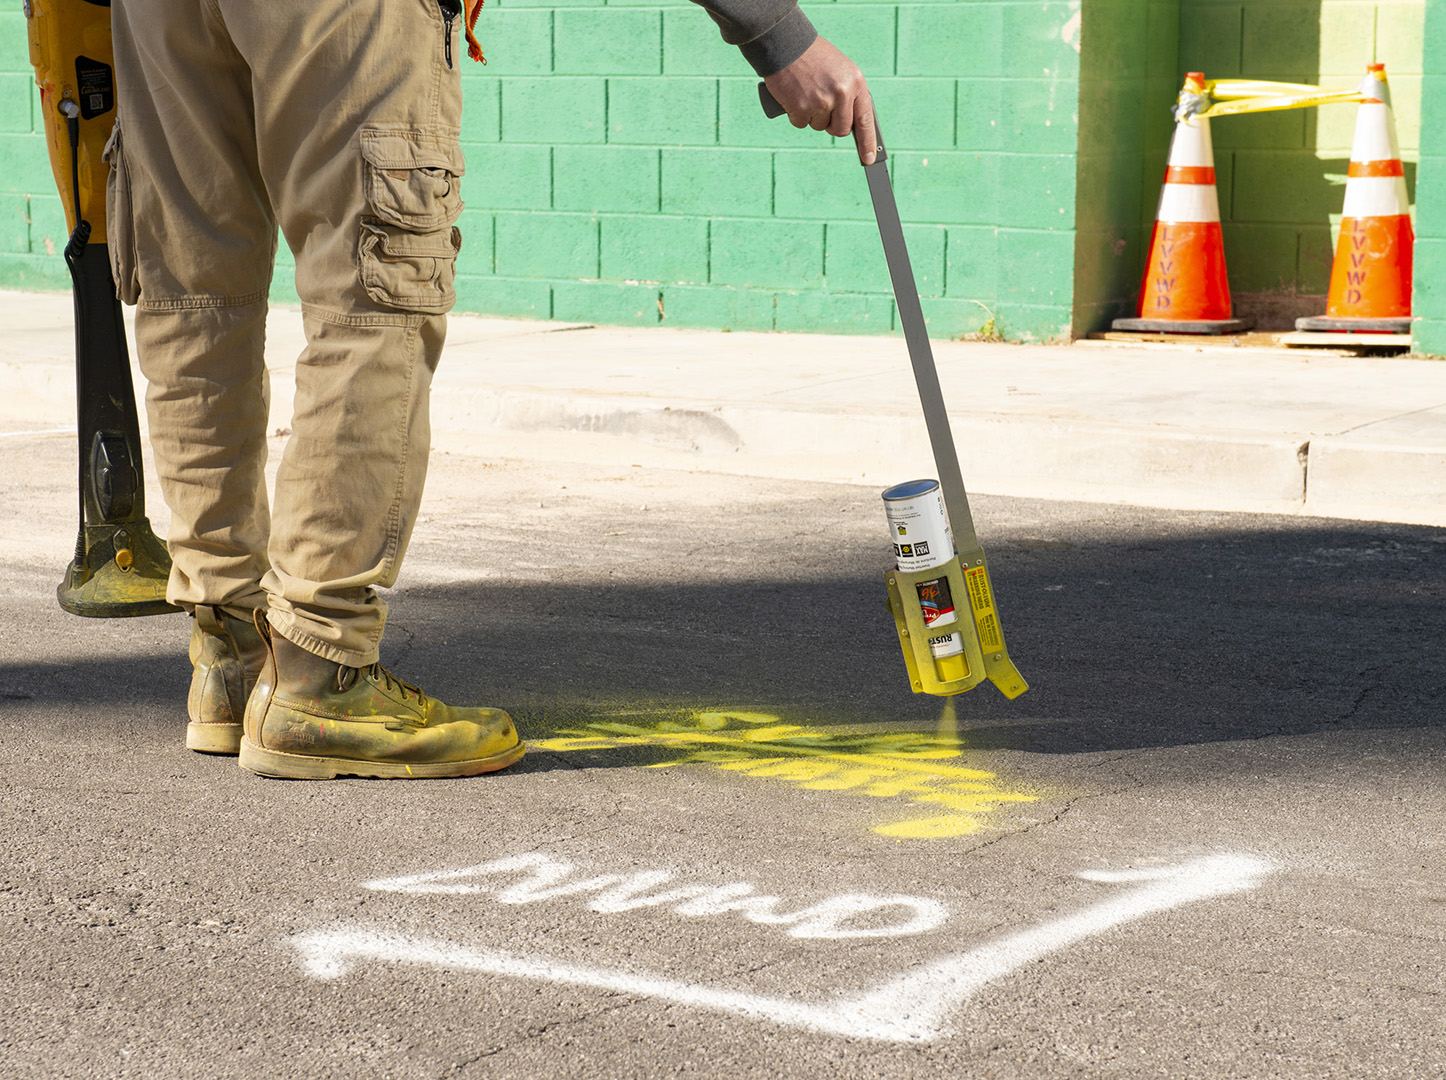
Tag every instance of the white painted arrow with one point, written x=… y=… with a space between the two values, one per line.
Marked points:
x=912 y=1008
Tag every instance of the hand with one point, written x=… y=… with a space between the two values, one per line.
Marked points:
x=824 y=89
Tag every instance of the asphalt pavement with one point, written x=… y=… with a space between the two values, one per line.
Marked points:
x=1208 y=842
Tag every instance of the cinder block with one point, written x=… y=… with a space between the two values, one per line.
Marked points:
x=1162 y=40
x=918 y=113
x=1107 y=268
x=972 y=262
x=1431 y=198
x=1040 y=116
x=24 y=163
x=980 y=114
x=1108 y=191
x=1280 y=187
x=767 y=254
x=559 y=109
x=1037 y=190
x=608 y=41
x=15 y=102
x=1030 y=322
x=1314 y=260
x=835 y=313
x=717 y=307
x=966 y=40
x=505 y=297
x=713 y=182
x=547 y=245
x=655 y=248
x=15 y=224
x=865 y=34
x=663 y=111
x=950 y=320
x=508 y=176
x=607 y=303
x=623 y=179
x=1284 y=130
x=947 y=188
x=1346 y=37
x=1210 y=39
x=1036 y=267
x=826 y=183
x=516 y=42
x=854 y=258
x=1282 y=41
x=1038 y=40
x=1400 y=31
x=14 y=41
x=478 y=239
x=38 y=272
x=1262 y=258
x=692 y=45
x=1113 y=38
x=481 y=109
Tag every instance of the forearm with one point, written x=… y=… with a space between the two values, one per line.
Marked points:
x=771 y=34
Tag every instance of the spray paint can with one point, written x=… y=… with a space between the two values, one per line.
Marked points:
x=919 y=529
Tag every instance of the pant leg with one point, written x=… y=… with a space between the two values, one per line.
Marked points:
x=203 y=238
x=358 y=120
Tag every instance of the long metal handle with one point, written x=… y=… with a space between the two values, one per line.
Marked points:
x=997 y=665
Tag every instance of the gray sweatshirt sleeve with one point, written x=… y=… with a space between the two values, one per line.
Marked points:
x=770 y=33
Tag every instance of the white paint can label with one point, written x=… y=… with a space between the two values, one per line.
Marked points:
x=919 y=528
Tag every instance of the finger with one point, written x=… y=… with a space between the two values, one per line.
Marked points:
x=843 y=118
x=866 y=130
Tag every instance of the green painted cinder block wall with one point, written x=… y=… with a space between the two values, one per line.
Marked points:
x=1428 y=302
x=620 y=170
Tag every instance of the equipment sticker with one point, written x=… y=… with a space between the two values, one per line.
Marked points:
x=983 y=604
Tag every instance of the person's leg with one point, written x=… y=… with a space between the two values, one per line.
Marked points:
x=358 y=117
x=202 y=239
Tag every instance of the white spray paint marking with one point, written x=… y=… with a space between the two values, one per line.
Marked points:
x=912 y=1008
x=835 y=917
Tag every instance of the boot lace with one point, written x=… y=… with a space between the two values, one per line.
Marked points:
x=390 y=681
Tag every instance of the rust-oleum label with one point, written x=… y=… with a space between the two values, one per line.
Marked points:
x=983 y=604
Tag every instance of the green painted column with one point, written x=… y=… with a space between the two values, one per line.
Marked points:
x=1428 y=302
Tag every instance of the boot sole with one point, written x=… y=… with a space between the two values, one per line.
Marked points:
x=274 y=763
x=213 y=738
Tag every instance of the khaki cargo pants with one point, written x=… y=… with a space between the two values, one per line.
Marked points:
x=338 y=120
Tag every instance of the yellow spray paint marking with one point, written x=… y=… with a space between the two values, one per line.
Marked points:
x=911 y=766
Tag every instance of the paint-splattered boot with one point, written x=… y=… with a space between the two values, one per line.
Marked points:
x=226 y=658
x=312 y=719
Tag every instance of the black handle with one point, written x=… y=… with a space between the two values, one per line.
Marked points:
x=772 y=109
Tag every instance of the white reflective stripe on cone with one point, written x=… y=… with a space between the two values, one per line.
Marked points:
x=1191 y=146
x=1375 y=196
x=1189 y=202
x=1375 y=138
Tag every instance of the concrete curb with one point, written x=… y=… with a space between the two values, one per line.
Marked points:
x=1190 y=428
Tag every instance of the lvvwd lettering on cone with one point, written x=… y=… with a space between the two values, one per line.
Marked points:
x=1185 y=288
x=1370 y=286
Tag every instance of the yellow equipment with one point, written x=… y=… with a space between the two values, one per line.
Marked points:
x=120 y=567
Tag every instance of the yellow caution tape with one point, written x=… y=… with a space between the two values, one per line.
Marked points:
x=1231 y=97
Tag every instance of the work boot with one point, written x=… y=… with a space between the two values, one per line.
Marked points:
x=312 y=719
x=226 y=658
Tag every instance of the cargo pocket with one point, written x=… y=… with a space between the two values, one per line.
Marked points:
x=407 y=249
x=120 y=228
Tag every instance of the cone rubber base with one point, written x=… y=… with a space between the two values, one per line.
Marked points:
x=97 y=587
x=1182 y=326
x=1369 y=326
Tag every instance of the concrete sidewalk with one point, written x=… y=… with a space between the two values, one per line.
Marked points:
x=1209 y=427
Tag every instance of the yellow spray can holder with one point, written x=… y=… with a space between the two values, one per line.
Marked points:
x=977 y=624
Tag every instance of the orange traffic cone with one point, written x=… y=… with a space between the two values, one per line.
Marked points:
x=1184 y=290
x=1371 y=276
